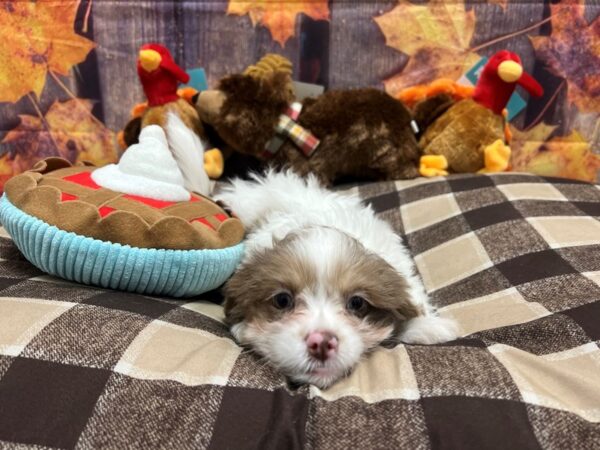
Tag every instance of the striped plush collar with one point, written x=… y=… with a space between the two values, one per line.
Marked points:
x=288 y=128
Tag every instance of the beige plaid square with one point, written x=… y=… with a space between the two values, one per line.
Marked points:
x=594 y=276
x=164 y=351
x=567 y=231
x=21 y=319
x=496 y=310
x=422 y=213
x=207 y=309
x=405 y=184
x=567 y=380
x=386 y=374
x=452 y=261
x=531 y=191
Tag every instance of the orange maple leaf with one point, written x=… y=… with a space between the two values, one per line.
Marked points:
x=67 y=130
x=279 y=16
x=572 y=52
x=37 y=37
x=562 y=156
x=435 y=35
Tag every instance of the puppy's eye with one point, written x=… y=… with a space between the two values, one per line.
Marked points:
x=283 y=300
x=357 y=304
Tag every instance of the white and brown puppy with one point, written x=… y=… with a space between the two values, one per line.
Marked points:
x=323 y=280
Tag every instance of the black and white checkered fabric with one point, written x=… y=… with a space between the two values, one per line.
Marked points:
x=515 y=259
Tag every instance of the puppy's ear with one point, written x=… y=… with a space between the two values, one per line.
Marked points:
x=388 y=291
x=406 y=310
x=401 y=314
x=235 y=291
x=244 y=292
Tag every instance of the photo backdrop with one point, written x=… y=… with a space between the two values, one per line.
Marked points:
x=68 y=77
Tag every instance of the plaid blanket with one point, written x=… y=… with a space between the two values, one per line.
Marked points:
x=515 y=259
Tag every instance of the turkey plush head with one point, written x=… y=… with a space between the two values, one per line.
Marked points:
x=500 y=76
x=159 y=74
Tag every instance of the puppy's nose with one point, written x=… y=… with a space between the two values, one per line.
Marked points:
x=322 y=345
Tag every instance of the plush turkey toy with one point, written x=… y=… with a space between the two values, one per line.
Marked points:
x=468 y=135
x=160 y=77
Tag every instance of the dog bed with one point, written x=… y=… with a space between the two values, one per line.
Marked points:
x=515 y=259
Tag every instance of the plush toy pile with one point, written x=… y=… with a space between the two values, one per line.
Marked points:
x=429 y=130
x=147 y=225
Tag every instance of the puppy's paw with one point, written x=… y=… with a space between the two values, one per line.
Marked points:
x=429 y=330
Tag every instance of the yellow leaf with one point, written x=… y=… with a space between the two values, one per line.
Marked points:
x=435 y=35
x=37 y=37
x=572 y=52
x=566 y=156
x=74 y=135
x=279 y=16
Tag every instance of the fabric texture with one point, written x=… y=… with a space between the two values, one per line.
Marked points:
x=513 y=258
x=176 y=273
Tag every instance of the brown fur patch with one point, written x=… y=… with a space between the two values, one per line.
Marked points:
x=157 y=115
x=369 y=275
x=249 y=292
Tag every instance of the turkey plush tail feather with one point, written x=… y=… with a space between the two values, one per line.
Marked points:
x=188 y=151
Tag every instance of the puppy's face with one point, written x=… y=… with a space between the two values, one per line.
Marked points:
x=315 y=303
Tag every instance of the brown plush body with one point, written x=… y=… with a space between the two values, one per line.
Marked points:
x=461 y=134
x=157 y=115
x=363 y=133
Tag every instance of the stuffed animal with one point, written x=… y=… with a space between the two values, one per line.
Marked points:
x=464 y=130
x=160 y=77
x=131 y=226
x=361 y=133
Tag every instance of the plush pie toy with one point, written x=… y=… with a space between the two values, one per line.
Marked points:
x=361 y=133
x=131 y=226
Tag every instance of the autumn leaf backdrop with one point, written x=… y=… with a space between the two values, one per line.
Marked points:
x=68 y=80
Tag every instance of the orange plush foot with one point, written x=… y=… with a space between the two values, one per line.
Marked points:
x=433 y=166
x=214 y=163
x=496 y=157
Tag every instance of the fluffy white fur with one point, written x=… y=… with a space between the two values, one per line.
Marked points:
x=188 y=151
x=272 y=207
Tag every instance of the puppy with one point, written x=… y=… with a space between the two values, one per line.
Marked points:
x=323 y=280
